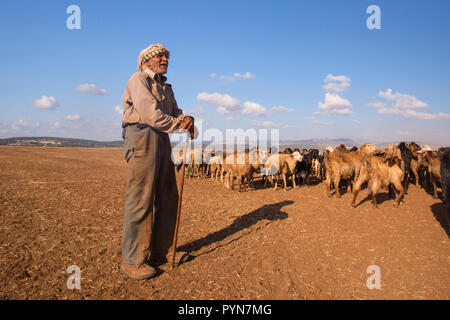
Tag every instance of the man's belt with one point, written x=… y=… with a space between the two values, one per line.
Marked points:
x=138 y=125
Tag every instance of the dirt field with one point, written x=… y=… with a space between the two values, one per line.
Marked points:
x=63 y=206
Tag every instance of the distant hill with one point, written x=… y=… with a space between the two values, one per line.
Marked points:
x=59 y=142
x=302 y=144
x=320 y=143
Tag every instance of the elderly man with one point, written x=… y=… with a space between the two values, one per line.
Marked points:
x=150 y=113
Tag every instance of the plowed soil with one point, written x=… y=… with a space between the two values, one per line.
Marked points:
x=63 y=206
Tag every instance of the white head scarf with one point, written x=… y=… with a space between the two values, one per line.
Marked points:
x=148 y=53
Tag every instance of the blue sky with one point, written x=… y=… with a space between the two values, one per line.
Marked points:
x=315 y=62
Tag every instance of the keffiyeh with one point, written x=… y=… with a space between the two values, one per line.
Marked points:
x=148 y=53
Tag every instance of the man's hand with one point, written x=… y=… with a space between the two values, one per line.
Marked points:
x=188 y=124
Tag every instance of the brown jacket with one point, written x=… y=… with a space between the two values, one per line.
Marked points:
x=149 y=100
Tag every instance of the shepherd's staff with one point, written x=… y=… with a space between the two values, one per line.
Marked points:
x=180 y=198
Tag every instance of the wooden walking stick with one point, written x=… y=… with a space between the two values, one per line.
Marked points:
x=180 y=198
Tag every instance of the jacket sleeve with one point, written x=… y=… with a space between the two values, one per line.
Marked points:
x=145 y=105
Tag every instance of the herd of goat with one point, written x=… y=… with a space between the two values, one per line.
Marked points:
x=393 y=167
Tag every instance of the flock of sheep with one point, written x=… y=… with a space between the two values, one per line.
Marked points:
x=393 y=167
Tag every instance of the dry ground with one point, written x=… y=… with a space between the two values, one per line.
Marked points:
x=63 y=206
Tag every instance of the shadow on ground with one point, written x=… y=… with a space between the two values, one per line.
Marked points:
x=381 y=197
x=269 y=212
x=261 y=184
x=442 y=215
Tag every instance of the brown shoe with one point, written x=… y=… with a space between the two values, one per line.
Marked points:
x=138 y=271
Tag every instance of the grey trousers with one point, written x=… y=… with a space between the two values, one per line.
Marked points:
x=151 y=196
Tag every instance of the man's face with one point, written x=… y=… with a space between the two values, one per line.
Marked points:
x=158 y=64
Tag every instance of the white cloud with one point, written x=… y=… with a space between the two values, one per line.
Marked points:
x=223 y=110
x=335 y=104
x=336 y=87
x=376 y=104
x=386 y=110
x=270 y=124
x=213 y=75
x=246 y=75
x=72 y=117
x=118 y=110
x=344 y=111
x=253 y=108
x=91 y=89
x=228 y=78
x=406 y=106
x=330 y=78
x=314 y=120
x=425 y=116
x=46 y=103
x=55 y=125
x=24 y=124
x=226 y=104
x=403 y=101
x=282 y=109
x=336 y=83
x=230 y=118
x=223 y=102
x=235 y=76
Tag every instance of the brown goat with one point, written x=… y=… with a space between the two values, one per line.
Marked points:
x=228 y=161
x=416 y=166
x=344 y=166
x=341 y=148
x=214 y=165
x=197 y=165
x=433 y=166
x=284 y=165
x=244 y=169
x=380 y=172
x=241 y=165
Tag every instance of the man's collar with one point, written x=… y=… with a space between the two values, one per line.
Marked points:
x=154 y=76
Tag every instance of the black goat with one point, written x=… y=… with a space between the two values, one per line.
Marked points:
x=341 y=148
x=444 y=156
x=304 y=167
x=406 y=157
